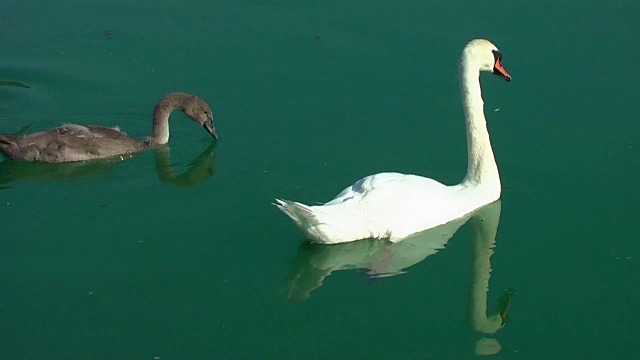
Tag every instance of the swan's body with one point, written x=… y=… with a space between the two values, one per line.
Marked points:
x=393 y=205
x=72 y=142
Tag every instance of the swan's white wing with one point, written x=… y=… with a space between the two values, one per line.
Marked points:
x=366 y=185
x=385 y=205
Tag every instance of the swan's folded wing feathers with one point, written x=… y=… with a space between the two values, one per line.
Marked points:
x=365 y=209
x=109 y=132
x=363 y=186
x=76 y=131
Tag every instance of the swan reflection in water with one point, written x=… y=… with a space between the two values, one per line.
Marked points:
x=385 y=259
x=199 y=169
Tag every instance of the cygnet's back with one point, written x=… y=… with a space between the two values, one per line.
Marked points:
x=69 y=142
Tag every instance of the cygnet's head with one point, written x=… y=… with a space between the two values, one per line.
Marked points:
x=199 y=111
x=486 y=56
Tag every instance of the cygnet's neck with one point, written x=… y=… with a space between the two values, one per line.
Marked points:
x=482 y=171
x=161 y=113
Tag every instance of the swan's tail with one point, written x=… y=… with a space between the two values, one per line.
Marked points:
x=8 y=142
x=312 y=223
x=324 y=224
x=301 y=214
x=8 y=139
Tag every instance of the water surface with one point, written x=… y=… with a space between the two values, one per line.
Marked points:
x=178 y=253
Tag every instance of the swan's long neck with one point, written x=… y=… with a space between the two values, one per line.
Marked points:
x=482 y=171
x=161 y=114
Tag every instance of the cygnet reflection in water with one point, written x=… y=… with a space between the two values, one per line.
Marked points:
x=197 y=171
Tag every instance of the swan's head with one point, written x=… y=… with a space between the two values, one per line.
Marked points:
x=199 y=111
x=483 y=54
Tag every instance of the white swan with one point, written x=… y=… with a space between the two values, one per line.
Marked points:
x=393 y=205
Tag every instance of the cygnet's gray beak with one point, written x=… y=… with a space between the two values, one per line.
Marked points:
x=208 y=125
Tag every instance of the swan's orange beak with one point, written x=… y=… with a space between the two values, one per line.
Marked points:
x=499 y=70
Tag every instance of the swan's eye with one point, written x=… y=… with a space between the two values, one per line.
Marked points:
x=497 y=55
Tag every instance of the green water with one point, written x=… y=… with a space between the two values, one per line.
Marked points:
x=178 y=254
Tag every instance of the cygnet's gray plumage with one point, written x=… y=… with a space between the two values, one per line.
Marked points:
x=72 y=142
